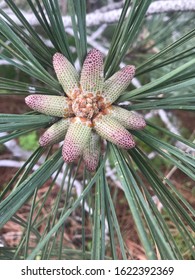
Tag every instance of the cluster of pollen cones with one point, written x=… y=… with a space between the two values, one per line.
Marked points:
x=86 y=112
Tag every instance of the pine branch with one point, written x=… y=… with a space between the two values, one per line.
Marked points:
x=110 y=16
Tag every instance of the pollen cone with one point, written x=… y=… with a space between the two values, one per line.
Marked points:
x=128 y=119
x=91 y=152
x=66 y=74
x=55 y=133
x=92 y=73
x=116 y=84
x=76 y=139
x=113 y=131
x=52 y=105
